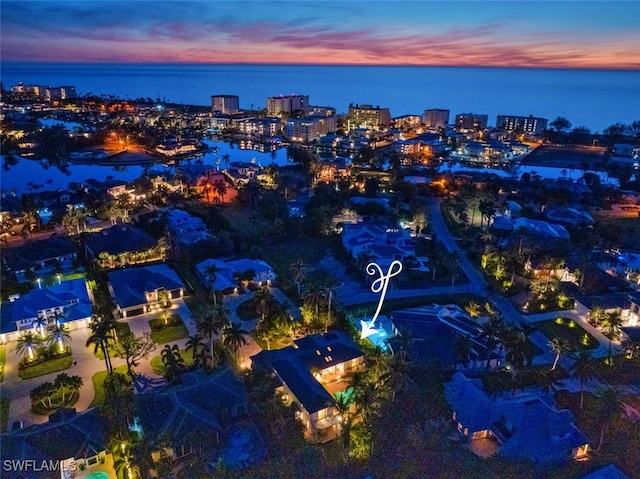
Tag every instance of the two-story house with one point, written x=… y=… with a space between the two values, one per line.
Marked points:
x=310 y=374
x=69 y=302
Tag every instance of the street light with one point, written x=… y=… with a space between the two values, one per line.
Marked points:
x=39 y=285
x=59 y=276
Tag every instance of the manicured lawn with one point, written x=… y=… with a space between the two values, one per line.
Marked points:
x=158 y=367
x=4 y=413
x=176 y=330
x=569 y=330
x=50 y=366
x=3 y=361
x=98 y=384
x=120 y=330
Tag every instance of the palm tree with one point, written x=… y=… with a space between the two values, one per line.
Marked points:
x=486 y=210
x=582 y=370
x=59 y=334
x=396 y=376
x=42 y=392
x=101 y=335
x=314 y=297
x=26 y=344
x=61 y=383
x=519 y=349
x=343 y=403
x=74 y=383
x=462 y=350
x=262 y=299
x=549 y=381
x=209 y=327
x=329 y=287
x=611 y=407
x=196 y=346
x=220 y=190
x=597 y=314
x=124 y=461
x=210 y=274
x=234 y=337
x=492 y=333
x=452 y=262
x=41 y=324
x=173 y=362
x=473 y=309
x=298 y=271
x=612 y=324
x=559 y=346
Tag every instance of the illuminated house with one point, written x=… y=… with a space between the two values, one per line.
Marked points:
x=122 y=244
x=521 y=427
x=230 y=273
x=42 y=257
x=310 y=373
x=135 y=290
x=69 y=300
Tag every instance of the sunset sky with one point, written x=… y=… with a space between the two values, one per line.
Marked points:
x=542 y=33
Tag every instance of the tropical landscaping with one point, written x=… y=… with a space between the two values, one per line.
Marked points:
x=395 y=420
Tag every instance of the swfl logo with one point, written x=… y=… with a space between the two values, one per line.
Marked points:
x=31 y=465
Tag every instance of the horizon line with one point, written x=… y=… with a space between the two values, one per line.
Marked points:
x=393 y=65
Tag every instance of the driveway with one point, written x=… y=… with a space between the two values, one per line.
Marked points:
x=17 y=390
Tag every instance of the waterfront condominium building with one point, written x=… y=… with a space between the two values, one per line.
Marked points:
x=471 y=121
x=48 y=92
x=527 y=124
x=310 y=128
x=276 y=105
x=226 y=104
x=366 y=116
x=436 y=118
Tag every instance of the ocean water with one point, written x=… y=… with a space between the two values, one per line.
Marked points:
x=591 y=98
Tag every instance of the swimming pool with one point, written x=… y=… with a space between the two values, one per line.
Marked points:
x=98 y=475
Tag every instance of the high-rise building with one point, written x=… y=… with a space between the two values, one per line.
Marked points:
x=277 y=105
x=226 y=104
x=436 y=118
x=471 y=121
x=366 y=116
x=528 y=124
